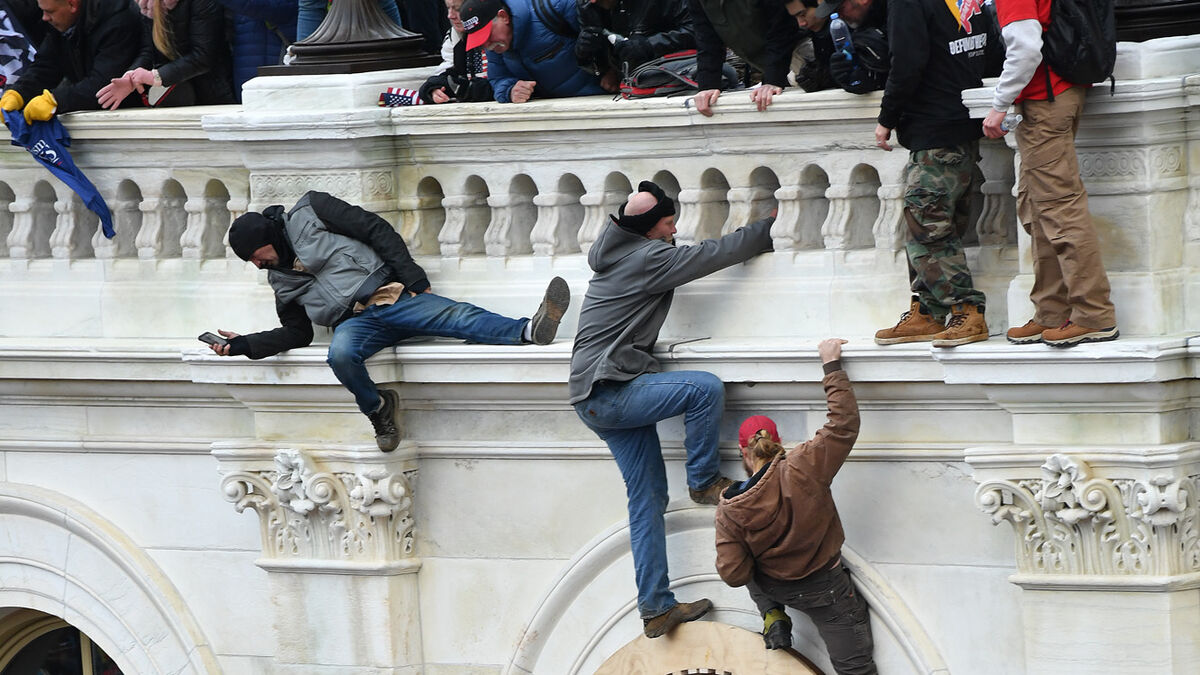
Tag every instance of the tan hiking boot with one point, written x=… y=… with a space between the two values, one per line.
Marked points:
x=966 y=324
x=711 y=495
x=1028 y=334
x=914 y=326
x=1070 y=334
x=682 y=612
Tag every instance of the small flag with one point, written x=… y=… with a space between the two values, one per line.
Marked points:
x=394 y=96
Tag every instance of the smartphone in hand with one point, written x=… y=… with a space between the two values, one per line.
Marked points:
x=213 y=339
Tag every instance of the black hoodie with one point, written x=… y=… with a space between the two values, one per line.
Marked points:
x=934 y=59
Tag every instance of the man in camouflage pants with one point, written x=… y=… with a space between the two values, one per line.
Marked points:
x=923 y=103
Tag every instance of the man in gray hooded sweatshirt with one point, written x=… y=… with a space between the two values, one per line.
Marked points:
x=619 y=391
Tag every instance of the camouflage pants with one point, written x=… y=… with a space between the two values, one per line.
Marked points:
x=939 y=184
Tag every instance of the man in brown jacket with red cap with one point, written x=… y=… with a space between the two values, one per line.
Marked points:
x=779 y=534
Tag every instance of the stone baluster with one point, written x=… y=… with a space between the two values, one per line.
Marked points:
x=6 y=222
x=558 y=222
x=71 y=237
x=842 y=229
x=126 y=222
x=20 y=238
x=889 y=225
x=701 y=214
x=192 y=241
x=802 y=209
x=596 y=208
x=149 y=237
x=746 y=205
x=997 y=221
x=238 y=206
x=512 y=222
x=467 y=219
x=421 y=219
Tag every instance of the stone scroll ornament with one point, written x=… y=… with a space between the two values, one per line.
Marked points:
x=1072 y=523
x=306 y=513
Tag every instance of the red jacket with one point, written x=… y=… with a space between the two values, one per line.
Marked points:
x=786 y=525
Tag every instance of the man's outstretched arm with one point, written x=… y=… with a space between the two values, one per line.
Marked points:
x=824 y=455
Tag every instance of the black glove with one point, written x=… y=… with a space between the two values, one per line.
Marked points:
x=848 y=75
x=589 y=44
x=634 y=50
x=812 y=76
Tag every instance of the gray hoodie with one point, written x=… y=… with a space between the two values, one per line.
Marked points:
x=628 y=298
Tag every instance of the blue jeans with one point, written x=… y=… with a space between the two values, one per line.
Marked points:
x=380 y=326
x=310 y=14
x=624 y=415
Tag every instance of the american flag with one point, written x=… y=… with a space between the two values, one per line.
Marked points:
x=395 y=96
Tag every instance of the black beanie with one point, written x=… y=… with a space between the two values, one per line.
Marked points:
x=644 y=222
x=251 y=231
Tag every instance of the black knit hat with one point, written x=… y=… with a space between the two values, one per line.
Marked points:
x=251 y=231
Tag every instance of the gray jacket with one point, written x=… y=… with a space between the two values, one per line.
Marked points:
x=629 y=296
x=339 y=270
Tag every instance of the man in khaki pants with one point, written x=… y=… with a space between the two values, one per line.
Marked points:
x=1070 y=288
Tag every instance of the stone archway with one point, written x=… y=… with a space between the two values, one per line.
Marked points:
x=705 y=647
x=61 y=558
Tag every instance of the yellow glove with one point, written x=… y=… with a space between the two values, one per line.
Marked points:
x=41 y=108
x=11 y=101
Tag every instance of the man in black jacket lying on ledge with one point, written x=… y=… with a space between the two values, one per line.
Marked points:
x=341 y=266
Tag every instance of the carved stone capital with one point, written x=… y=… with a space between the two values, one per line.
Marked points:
x=1070 y=521
x=323 y=511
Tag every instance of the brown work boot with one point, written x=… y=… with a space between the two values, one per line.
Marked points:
x=711 y=494
x=915 y=325
x=1028 y=334
x=966 y=324
x=682 y=612
x=1070 y=334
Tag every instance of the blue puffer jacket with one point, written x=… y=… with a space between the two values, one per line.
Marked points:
x=257 y=27
x=541 y=55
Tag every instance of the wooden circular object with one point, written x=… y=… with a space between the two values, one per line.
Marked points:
x=705 y=648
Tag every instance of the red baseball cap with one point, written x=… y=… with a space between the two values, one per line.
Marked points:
x=476 y=17
x=755 y=424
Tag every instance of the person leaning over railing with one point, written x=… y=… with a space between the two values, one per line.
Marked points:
x=617 y=36
x=463 y=74
x=758 y=31
x=184 y=57
x=530 y=48
x=88 y=45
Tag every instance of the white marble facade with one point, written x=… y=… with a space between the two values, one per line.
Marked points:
x=194 y=514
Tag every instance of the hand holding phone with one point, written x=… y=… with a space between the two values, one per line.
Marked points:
x=213 y=339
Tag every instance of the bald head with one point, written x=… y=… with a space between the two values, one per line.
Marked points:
x=640 y=203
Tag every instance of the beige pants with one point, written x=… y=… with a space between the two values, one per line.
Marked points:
x=1069 y=279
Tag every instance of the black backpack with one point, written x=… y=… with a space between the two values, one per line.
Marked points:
x=1080 y=44
x=670 y=74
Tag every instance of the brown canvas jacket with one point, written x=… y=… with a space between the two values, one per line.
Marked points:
x=786 y=525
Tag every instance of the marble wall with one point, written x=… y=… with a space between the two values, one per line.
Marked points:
x=198 y=514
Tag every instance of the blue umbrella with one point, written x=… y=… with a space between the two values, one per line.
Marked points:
x=47 y=142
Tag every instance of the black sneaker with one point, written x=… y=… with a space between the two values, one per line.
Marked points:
x=544 y=324
x=387 y=436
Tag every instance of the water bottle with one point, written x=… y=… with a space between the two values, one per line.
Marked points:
x=840 y=32
x=1011 y=121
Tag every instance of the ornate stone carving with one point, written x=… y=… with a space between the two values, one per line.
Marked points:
x=1072 y=522
x=308 y=513
x=353 y=186
x=1158 y=161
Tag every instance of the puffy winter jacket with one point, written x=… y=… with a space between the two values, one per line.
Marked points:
x=262 y=30
x=540 y=54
